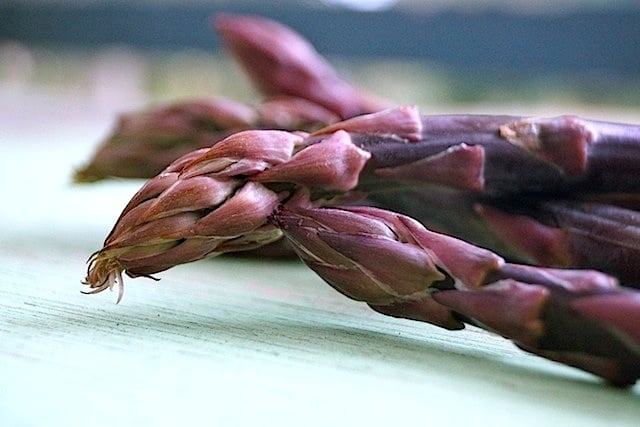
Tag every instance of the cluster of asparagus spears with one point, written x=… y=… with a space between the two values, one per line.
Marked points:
x=350 y=186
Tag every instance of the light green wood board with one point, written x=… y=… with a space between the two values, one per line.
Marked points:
x=228 y=341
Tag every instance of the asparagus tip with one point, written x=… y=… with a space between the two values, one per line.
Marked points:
x=84 y=175
x=104 y=272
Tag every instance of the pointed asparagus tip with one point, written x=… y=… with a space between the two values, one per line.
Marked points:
x=104 y=272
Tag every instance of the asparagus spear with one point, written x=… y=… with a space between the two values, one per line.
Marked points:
x=578 y=317
x=302 y=91
x=280 y=61
x=557 y=194
x=173 y=212
x=548 y=232
x=143 y=143
x=230 y=197
x=571 y=233
x=570 y=157
x=506 y=156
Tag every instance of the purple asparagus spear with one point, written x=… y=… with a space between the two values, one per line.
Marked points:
x=230 y=197
x=578 y=317
x=280 y=61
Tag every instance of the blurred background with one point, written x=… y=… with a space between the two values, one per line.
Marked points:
x=444 y=55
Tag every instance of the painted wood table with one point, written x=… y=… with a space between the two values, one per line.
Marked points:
x=228 y=341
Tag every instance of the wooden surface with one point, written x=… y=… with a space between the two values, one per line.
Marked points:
x=226 y=341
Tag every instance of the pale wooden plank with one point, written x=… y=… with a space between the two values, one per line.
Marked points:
x=230 y=341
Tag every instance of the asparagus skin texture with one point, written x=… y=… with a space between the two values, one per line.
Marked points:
x=579 y=317
x=520 y=203
x=549 y=232
x=571 y=157
x=571 y=233
x=370 y=153
x=254 y=187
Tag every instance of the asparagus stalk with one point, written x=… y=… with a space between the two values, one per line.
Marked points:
x=558 y=194
x=569 y=157
x=571 y=233
x=549 y=232
x=578 y=317
x=256 y=186
x=506 y=156
x=174 y=213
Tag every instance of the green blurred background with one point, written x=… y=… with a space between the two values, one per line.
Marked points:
x=441 y=55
